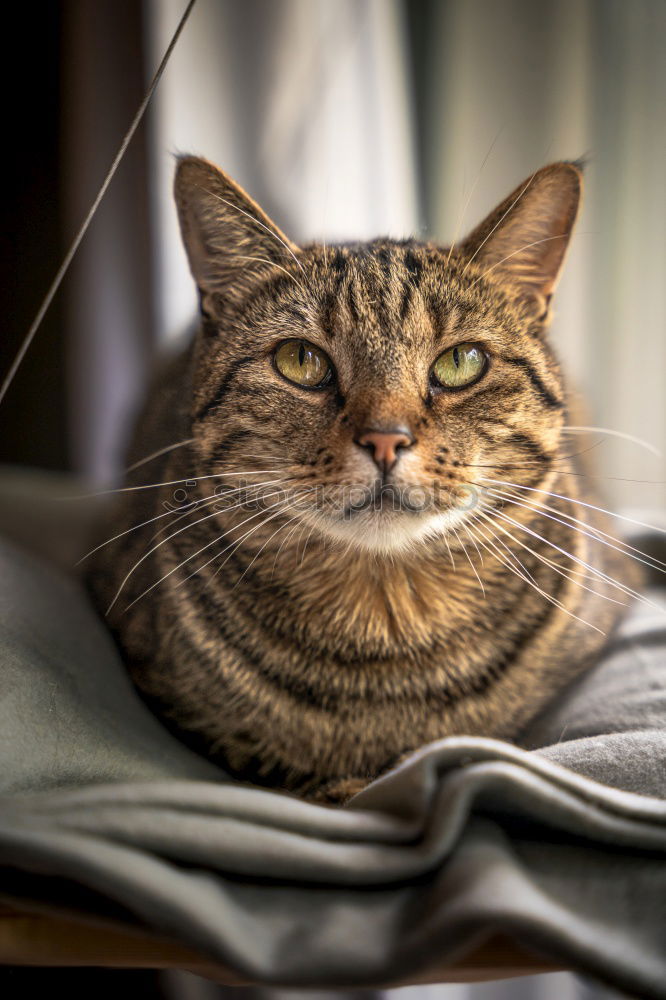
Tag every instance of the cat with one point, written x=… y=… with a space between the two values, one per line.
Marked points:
x=354 y=523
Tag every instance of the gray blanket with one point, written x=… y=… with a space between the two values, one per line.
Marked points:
x=104 y=813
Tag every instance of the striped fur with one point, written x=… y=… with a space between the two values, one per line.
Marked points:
x=323 y=647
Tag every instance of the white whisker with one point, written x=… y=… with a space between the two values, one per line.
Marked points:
x=192 y=556
x=582 y=503
x=461 y=216
x=258 y=223
x=558 y=569
x=453 y=564
x=630 y=551
x=156 y=454
x=469 y=560
x=284 y=540
x=247 y=497
x=236 y=542
x=272 y=263
x=171 y=482
x=527 y=246
x=306 y=543
x=258 y=553
x=187 y=527
x=523 y=571
x=500 y=220
x=135 y=527
x=581 y=562
x=554 y=600
x=570 y=429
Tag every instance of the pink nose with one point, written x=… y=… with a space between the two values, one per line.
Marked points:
x=385 y=445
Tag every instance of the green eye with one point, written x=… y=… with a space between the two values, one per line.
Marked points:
x=460 y=365
x=303 y=363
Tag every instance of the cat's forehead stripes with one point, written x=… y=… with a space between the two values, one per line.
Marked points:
x=369 y=291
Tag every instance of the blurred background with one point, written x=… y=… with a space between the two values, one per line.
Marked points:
x=345 y=119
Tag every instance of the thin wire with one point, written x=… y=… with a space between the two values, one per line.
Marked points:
x=64 y=267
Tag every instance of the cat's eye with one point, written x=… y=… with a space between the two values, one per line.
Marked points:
x=303 y=363
x=459 y=366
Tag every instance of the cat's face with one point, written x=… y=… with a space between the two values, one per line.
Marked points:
x=380 y=385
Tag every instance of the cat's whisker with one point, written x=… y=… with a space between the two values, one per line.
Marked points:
x=629 y=591
x=234 y=543
x=306 y=543
x=490 y=546
x=513 y=558
x=461 y=215
x=527 y=246
x=264 y=457
x=189 y=509
x=258 y=223
x=623 y=547
x=469 y=560
x=194 y=504
x=501 y=220
x=296 y=517
x=272 y=263
x=558 y=569
x=478 y=552
x=154 y=548
x=170 y=482
x=594 y=573
x=581 y=503
x=583 y=451
x=192 y=556
x=304 y=527
x=223 y=497
x=571 y=429
x=284 y=540
x=448 y=547
x=495 y=552
x=556 y=602
x=156 y=454
x=563 y=472
x=135 y=527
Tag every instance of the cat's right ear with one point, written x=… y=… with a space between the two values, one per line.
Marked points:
x=525 y=239
x=229 y=240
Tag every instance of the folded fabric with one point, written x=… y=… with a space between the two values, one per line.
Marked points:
x=104 y=814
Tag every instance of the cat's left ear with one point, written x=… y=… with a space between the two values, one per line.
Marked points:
x=524 y=240
x=230 y=241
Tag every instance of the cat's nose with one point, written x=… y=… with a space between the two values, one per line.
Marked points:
x=385 y=445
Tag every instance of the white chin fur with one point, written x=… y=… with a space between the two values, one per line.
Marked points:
x=374 y=531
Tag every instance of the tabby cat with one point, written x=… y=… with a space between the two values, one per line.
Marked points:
x=354 y=524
